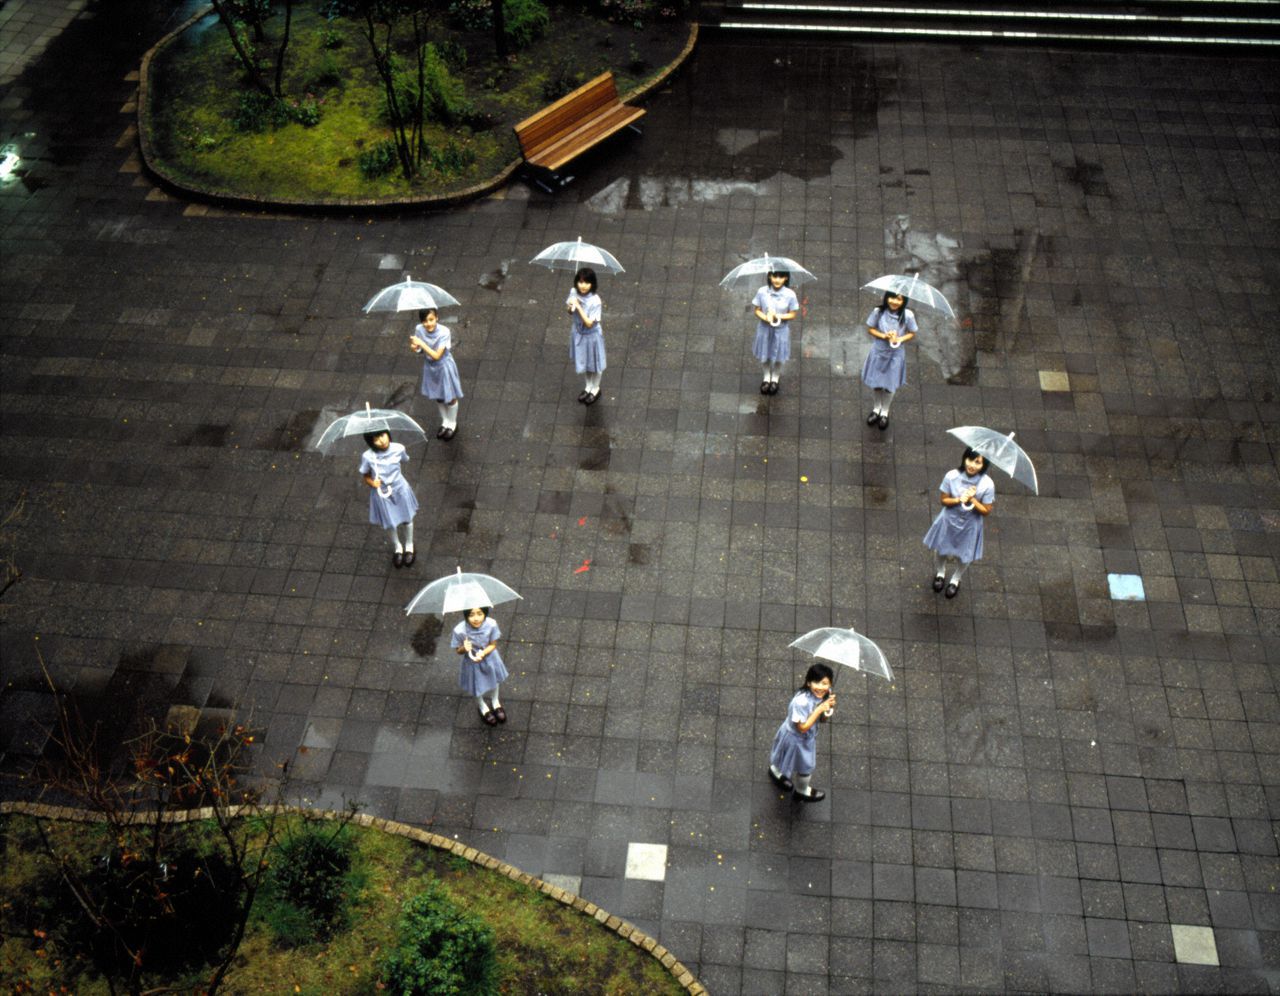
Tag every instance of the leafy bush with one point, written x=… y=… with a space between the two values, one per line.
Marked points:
x=442 y=951
x=451 y=159
x=309 y=889
x=328 y=74
x=633 y=12
x=454 y=54
x=379 y=160
x=306 y=111
x=525 y=20
x=258 y=111
x=563 y=78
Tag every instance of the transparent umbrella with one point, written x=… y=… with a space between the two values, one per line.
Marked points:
x=369 y=420
x=410 y=295
x=846 y=647
x=914 y=290
x=459 y=592
x=1000 y=450
x=572 y=255
x=753 y=272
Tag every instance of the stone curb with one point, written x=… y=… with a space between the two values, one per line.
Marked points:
x=242 y=200
x=615 y=924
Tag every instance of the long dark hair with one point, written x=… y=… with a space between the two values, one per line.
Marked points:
x=969 y=454
x=587 y=274
x=817 y=672
x=884 y=306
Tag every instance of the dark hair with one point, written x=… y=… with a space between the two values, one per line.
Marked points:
x=969 y=454
x=587 y=274
x=784 y=274
x=482 y=608
x=369 y=437
x=884 y=305
x=423 y=312
x=817 y=672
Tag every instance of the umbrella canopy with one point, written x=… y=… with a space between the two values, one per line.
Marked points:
x=410 y=295
x=913 y=289
x=459 y=592
x=572 y=255
x=1000 y=450
x=753 y=271
x=846 y=647
x=369 y=420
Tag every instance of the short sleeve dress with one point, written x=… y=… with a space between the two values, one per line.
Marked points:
x=586 y=345
x=440 y=380
x=957 y=532
x=885 y=367
x=401 y=506
x=773 y=345
x=796 y=753
x=482 y=678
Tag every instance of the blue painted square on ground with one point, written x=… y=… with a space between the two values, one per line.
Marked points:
x=1126 y=587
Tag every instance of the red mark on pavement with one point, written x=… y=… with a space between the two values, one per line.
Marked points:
x=582 y=521
x=586 y=566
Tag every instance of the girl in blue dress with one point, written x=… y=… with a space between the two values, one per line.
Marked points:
x=392 y=504
x=968 y=495
x=885 y=369
x=586 y=338
x=439 y=373
x=775 y=304
x=795 y=747
x=476 y=639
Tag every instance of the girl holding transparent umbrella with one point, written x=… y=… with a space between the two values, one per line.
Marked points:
x=774 y=305
x=967 y=495
x=439 y=371
x=885 y=369
x=392 y=503
x=795 y=746
x=586 y=342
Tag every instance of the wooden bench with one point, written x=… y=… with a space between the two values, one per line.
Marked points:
x=562 y=131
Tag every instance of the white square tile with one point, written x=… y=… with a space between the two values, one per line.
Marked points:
x=1054 y=380
x=570 y=883
x=647 y=862
x=1194 y=945
x=1126 y=587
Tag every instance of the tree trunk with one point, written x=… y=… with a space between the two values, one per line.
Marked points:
x=284 y=44
x=499 y=28
x=250 y=67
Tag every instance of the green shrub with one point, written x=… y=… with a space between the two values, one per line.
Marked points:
x=442 y=951
x=525 y=20
x=328 y=74
x=379 y=160
x=450 y=159
x=311 y=884
x=562 y=79
x=306 y=111
x=258 y=111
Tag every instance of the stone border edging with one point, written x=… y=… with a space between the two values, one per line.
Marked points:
x=613 y=923
x=230 y=199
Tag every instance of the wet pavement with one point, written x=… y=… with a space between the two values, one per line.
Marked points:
x=1061 y=790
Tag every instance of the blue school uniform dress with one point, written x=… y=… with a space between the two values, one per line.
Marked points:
x=773 y=345
x=796 y=753
x=886 y=367
x=402 y=506
x=482 y=678
x=439 y=377
x=957 y=532
x=586 y=345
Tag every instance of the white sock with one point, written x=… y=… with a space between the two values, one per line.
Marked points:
x=958 y=573
x=449 y=416
x=395 y=538
x=939 y=565
x=777 y=370
x=801 y=782
x=884 y=405
x=484 y=706
x=767 y=373
x=408 y=536
x=776 y=772
x=443 y=409
x=593 y=382
x=878 y=405
x=497 y=702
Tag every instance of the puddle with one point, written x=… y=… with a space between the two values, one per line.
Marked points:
x=1088 y=177
x=206 y=434
x=425 y=636
x=638 y=554
x=615 y=519
x=292 y=435
x=494 y=279
x=1001 y=275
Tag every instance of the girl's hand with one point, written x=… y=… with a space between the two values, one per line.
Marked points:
x=413 y=344
x=968 y=493
x=466 y=645
x=377 y=483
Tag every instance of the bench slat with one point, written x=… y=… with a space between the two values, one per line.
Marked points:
x=572 y=145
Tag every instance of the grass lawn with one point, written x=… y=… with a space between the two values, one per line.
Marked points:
x=197 y=88
x=542 y=946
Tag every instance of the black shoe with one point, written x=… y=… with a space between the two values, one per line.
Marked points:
x=584 y=395
x=440 y=433
x=815 y=795
x=446 y=435
x=397 y=559
x=490 y=719
x=939 y=582
x=408 y=558
x=873 y=418
x=500 y=714
x=773 y=387
x=883 y=422
x=952 y=590
x=591 y=398
x=764 y=387
x=782 y=781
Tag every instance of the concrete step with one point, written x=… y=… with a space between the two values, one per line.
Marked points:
x=1251 y=24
